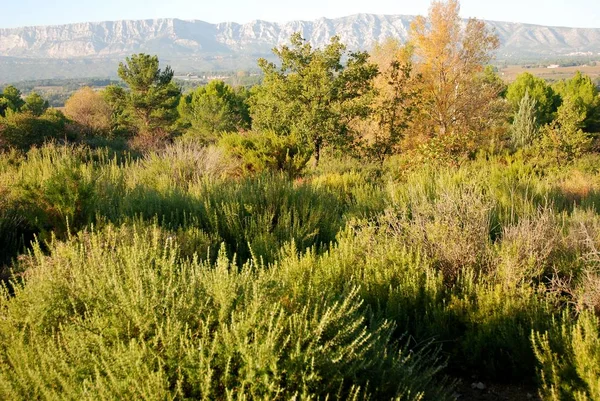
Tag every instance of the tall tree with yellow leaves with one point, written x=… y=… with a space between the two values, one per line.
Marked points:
x=451 y=57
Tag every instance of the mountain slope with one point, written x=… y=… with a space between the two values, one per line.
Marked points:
x=232 y=46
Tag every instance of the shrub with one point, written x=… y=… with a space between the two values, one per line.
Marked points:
x=569 y=357
x=118 y=314
x=531 y=248
x=450 y=222
x=183 y=164
x=56 y=188
x=24 y=130
x=267 y=151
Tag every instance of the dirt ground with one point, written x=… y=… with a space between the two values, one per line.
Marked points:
x=467 y=391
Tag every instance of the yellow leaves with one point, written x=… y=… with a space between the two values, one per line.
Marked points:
x=450 y=58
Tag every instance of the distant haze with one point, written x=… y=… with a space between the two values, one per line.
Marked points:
x=94 y=49
x=574 y=13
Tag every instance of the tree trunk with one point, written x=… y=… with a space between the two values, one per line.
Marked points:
x=317 y=153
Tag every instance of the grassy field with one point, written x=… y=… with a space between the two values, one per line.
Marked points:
x=510 y=73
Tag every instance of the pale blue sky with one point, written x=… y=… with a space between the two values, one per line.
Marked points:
x=13 y=13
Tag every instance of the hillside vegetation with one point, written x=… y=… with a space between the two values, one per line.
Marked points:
x=380 y=226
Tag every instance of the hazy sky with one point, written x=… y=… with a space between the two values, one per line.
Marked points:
x=13 y=13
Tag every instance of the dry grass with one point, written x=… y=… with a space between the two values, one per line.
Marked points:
x=577 y=186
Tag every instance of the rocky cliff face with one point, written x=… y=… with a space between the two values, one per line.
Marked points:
x=175 y=40
x=173 y=37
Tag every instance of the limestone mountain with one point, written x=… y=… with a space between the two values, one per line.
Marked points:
x=93 y=48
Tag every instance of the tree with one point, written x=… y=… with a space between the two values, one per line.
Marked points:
x=312 y=94
x=525 y=127
x=150 y=105
x=116 y=98
x=451 y=60
x=10 y=99
x=547 y=101
x=564 y=137
x=89 y=110
x=491 y=77
x=581 y=91
x=213 y=109
x=35 y=104
x=396 y=100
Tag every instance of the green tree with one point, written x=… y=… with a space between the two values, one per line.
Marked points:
x=213 y=109
x=564 y=138
x=116 y=97
x=313 y=95
x=582 y=91
x=546 y=99
x=35 y=104
x=525 y=127
x=150 y=105
x=491 y=77
x=10 y=99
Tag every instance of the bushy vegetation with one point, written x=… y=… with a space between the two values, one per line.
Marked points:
x=156 y=245
x=438 y=267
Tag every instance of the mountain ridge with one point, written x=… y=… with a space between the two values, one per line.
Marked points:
x=231 y=45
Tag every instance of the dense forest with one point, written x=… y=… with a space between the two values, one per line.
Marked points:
x=392 y=225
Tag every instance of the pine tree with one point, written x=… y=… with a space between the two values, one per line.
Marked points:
x=10 y=99
x=35 y=104
x=213 y=109
x=150 y=105
x=546 y=99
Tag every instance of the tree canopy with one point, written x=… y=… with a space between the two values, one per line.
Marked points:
x=213 y=109
x=451 y=60
x=396 y=101
x=546 y=99
x=150 y=105
x=583 y=93
x=35 y=104
x=90 y=110
x=10 y=99
x=313 y=94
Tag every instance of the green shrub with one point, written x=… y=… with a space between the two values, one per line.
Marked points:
x=472 y=257
x=118 y=315
x=363 y=197
x=24 y=130
x=55 y=189
x=62 y=189
x=569 y=358
x=257 y=215
x=15 y=234
x=267 y=151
